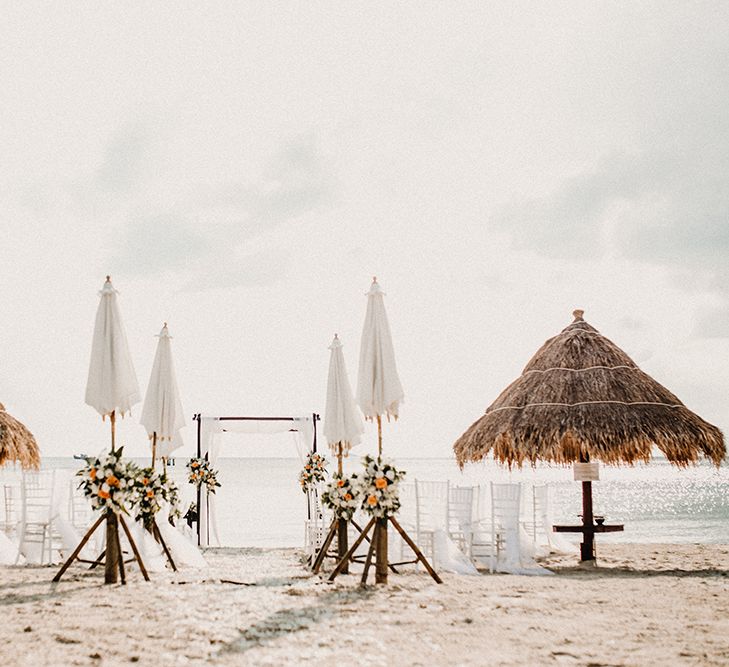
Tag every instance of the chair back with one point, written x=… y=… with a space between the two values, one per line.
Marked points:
x=460 y=508
x=79 y=506
x=505 y=504
x=432 y=504
x=37 y=496
x=407 y=516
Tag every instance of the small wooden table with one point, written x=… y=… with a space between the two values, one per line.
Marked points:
x=587 y=548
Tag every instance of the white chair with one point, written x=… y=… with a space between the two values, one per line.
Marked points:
x=460 y=517
x=10 y=521
x=398 y=550
x=431 y=515
x=505 y=506
x=79 y=507
x=315 y=528
x=37 y=515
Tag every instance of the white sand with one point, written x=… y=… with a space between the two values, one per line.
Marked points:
x=644 y=605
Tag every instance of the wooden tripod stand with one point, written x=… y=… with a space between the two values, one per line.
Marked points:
x=112 y=540
x=336 y=528
x=378 y=546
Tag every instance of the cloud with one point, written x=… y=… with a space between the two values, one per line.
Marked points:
x=125 y=160
x=214 y=224
x=668 y=207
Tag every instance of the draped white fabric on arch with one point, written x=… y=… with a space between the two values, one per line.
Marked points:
x=211 y=429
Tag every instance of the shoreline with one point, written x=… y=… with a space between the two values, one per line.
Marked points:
x=645 y=604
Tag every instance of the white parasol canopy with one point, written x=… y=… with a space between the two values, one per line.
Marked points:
x=379 y=391
x=162 y=411
x=112 y=384
x=343 y=424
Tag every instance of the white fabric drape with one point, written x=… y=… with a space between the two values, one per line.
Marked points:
x=210 y=430
x=162 y=411
x=112 y=383
x=379 y=391
x=343 y=424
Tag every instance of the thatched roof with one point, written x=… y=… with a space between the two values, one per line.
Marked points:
x=17 y=442
x=581 y=394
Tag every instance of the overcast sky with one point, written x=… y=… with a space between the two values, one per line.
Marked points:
x=242 y=170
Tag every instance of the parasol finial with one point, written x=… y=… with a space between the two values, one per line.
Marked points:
x=578 y=314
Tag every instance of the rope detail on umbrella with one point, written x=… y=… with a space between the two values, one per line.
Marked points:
x=572 y=405
x=579 y=370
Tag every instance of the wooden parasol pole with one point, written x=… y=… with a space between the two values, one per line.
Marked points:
x=111 y=563
x=154 y=447
x=342 y=536
x=379 y=435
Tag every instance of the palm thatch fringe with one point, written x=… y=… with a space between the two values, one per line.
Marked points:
x=582 y=396
x=17 y=442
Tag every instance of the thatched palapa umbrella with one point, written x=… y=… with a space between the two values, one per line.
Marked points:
x=580 y=399
x=17 y=443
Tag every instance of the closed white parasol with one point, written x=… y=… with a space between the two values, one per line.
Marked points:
x=162 y=414
x=343 y=425
x=112 y=383
x=379 y=391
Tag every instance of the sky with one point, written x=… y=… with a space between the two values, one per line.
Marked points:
x=242 y=170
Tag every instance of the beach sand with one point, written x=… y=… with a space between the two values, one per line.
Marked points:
x=644 y=605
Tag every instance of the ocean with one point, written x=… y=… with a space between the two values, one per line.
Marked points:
x=260 y=502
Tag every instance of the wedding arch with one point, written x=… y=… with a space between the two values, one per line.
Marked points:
x=209 y=430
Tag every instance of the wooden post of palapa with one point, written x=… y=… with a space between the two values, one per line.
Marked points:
x=381 y=550
x=587 y=548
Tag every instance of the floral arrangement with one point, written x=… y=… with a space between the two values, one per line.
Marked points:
x=342 y=496
x=108 y=481
x=314 y=471
x=151 y=489
x=379 y=487
x=202 y=473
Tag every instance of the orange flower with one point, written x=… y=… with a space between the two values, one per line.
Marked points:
x=104 y=494
x=372 y=500
x=145 y=481
x=92 y=474
x=348 y=496
x=340 y=482
x=380 y=482
x=194 y=464
x=150 y=493
x=112 y=481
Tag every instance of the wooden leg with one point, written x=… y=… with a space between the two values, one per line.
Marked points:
x=111 y=566
x=78 y=549
x=321 y=555
x=359 y=528
x=381 y=547
x=416 y=551
x=368 y=561
x=134 y=548
x=161 y=540
x=351 y=551
x=342 y=542
x=122 y=573
x=98 y=561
